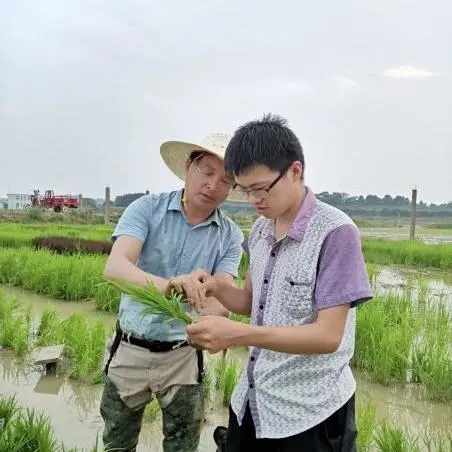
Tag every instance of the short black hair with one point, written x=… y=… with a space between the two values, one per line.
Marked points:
x=268 y=141
x=194 y=155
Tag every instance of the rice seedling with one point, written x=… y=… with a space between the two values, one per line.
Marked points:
x=399 y=338
x=432 y=353
x=230 y=379
x=151 y=411
x=27 y=430
x=208 y=381
x=172 y=307
x=15 y=323
x=84 y=341
x=395 y=439
x=226 y=373
x=385 y=330
x=24 y=233
x=409 y=253
x=75 y=277
x=366 y=422
x=433 y=441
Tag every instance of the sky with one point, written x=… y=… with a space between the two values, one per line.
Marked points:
x=89 y=89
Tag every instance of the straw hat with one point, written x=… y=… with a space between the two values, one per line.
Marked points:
x=176 y=153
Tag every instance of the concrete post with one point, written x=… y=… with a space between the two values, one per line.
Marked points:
x=413 y=213
x=107 y=206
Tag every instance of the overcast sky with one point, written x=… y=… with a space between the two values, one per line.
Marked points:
x=90 y=88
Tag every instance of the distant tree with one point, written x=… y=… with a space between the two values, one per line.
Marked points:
x=125 y=200
x=89 y=203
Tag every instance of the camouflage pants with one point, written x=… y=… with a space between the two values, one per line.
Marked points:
x=182 y=420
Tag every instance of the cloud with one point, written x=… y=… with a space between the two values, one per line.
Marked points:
x=408 y=72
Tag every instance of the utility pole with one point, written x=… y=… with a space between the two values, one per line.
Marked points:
x=107 y=206
x=413 y=213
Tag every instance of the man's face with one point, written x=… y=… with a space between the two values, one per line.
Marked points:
x=270 y=192
x=206 y=183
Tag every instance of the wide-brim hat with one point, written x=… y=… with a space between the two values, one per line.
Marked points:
x=175 y=154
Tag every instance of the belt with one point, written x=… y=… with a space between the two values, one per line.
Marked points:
x=152 y=346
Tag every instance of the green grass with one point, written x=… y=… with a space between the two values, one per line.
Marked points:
x=225 y=377
x=376 y=434
x=73 y=278
x=400 y=339
x=84 y=340
x=27 y=430
x=15 y=325
x=409 y=253
x=15 y=235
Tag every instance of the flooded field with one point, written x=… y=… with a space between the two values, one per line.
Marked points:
x=427 y=235
x=73 y=407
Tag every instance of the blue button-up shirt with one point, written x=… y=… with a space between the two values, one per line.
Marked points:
x=172 y=247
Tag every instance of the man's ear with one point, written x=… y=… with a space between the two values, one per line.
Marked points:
x=296 y=171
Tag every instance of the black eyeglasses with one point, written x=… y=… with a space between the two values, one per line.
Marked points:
x=262 y=193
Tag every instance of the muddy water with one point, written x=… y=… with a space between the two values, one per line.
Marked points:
x=398 y=279
x=426 y=236
x=74 y=408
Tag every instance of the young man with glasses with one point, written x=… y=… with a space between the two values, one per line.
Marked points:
x=307 y=275
x=164 y=238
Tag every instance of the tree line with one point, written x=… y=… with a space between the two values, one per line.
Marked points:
x=366 y=206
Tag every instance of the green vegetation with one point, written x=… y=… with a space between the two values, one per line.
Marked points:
x=21 y=330
x=409 y=253
x=15 y=235
x=401 y=339
x=72 y=278
x=26 y=430
x=402 y=336
x=154 y=302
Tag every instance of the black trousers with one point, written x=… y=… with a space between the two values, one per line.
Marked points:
x=335 y=434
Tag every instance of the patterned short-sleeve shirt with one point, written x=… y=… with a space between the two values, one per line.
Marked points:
x=319 y=264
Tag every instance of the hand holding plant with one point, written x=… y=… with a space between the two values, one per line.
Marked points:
x=192 y=286
x=171 y=306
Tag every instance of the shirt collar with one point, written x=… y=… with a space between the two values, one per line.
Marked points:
x=176 y=204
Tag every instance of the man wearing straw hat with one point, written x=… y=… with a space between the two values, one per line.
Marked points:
x=164 y=238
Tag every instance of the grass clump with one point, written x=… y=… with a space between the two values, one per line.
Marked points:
x=171 y=307
x=21 y=330
x=226 y=374
x=403 y=339
x=73 y=278
x=406 y=252
x=27 y=430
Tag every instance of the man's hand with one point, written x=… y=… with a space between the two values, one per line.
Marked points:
x=215 y=333
x=191 y=286
x=211 y=286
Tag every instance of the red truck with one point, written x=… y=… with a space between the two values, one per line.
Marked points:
x=52 y=201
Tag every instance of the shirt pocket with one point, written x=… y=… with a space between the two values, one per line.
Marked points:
x=298 y=298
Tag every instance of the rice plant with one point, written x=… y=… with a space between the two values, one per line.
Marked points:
x=402 y=339
x=154 y=302
x=84 y=340
x=389 y=438
x=15 y=324
x=151 y=411
x=71 y=278
x=366 y=422
x=409 y=253
x=226 y=374
x=27 y=430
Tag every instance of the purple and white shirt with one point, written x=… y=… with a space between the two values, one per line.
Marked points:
x=319 y=264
